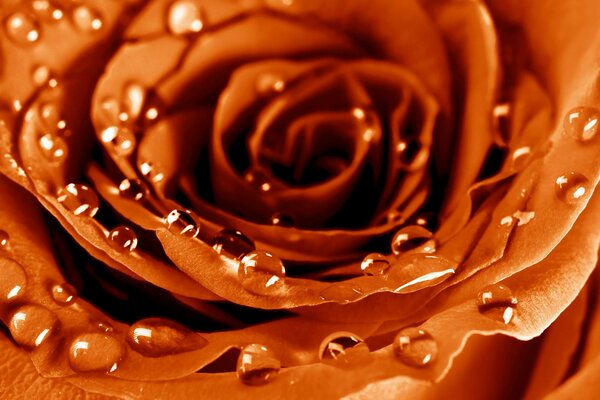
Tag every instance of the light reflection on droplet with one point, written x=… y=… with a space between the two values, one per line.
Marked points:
x=415 y=347
x=572 y=187
x=257 y=365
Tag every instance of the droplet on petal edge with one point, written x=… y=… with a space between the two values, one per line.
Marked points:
x=95 y=352
x=497 y=302
x=158 y=337
x=133 y=189
x=123 y=238
x=182 y=222
x=343 y=349
x=260 y=272
x=78 y=199
x=374 y=264
x=413 y=238
x=233 y=243
x=415 y=347
x=257 y=365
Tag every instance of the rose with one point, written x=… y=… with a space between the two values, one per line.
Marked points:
x=499 y=204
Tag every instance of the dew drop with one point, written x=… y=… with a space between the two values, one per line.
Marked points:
x=135 y=96
x=40 y=75
x=184 y=17
x=233 y=243
x=279 y=219
x=582 y=123
x=374 y=264
x=341 y=293
x=343 y=349
x=31 y=325
x=412 y=155
x=258 y=180
x=95 y=352
x=51 y=117
x=572 y=187
x=4 y=240
x=53 y=147
x=121 y=140
x=269 y=84
x=395 y=217
x=413 y=238
x=260 y=272
x=87 y=19
x=13 y=280
x=22 y=29
x=79 y=199
x=520 y=157
x=133 y=189
x=415 y=347
x=122 y=239
x=497 y=301
x=151 y=171
x=183 y=222
x=64 y=294
x=47 y=9
x=257 y=365
x=158 y=337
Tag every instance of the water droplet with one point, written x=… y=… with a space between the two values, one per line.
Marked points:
x=54 y=148
x=520 y=157
x=4 y=239
x=582 y=123
x=413 y=238
x=64 y=294
x=258 y=180
x=257 y=365
x=152 y=113
x=523 y=217
x=279 y=219
x=122 y=238
x=135 y=96
x=79 y=199
x=87 y=19
x=13 y=279
x=572 y=187
x=374 y=264
x=121 y=139
x=497 y=302
x=31 y=325
x=415 y=347
x=184 y=17
x=233 y=243
x=395 y=217
x=158 y=337
x=47 y=9
x=411 y=154
x=152 y=171
x=431 y=271
x=269 y=84
x=40 y=75
x=22 y=29
x=343 y=349
x=133 y=189
x=260 y=272
x=341 y=293
x=95 y=352
x=51 y=117
x=183 y=222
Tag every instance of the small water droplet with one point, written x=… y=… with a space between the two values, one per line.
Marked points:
x=279 y=219
x=64 y=294
x=40 y=75
x=121 y=139
x=133 y=189
x=22 y=29
x=257 y=365
x=47 y=10
x=572 y=187
x=53 y=147
x=95 y=352
x=260 y=272
x=13 y=280
x=233 y=243
x=122 y=239
x=343 y=349
x=152 y=171
x=158 y=337
x=411 y=154
x=184 y=17
x=520 y=157
x=79 y=199
x=395 y=217
x=582 y=123
x=87 y=19
x=415 y=347
x=497 y=301
x=4 y=240
x=31 y=325
x=135 y=96
x=183 y=222
x=374 y=264
x=341 y=293
x=523 y=217
x=258 y=180
x=51 y=117
x=413 y=238
x=152 y=113
x=269 y=84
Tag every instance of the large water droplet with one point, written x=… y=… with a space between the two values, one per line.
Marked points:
x=415 y=347
x=257 y=365
x=13 y=279
x=64 y=294
x=4 y=239
x=260 y=272
x=121 y=140
x=53 y=147
x=31 y=325
x=184 y=17
x=152 y=171
x=22 y=29
x=343 y=349
x=233 y=243
x=497 y=302
x=582 y=123
x=95 y=352
x=122 y=238
x=158 y=337
x=413 y=238
x=341 y=293
x=79 y=199
x=183 y=222
x=133 y=189
x=374 y=264
x=572 y=187
x=87 y=19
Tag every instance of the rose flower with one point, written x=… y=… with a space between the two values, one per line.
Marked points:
x=299 y=199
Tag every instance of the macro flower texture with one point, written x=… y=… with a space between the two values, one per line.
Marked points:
x=299 y=199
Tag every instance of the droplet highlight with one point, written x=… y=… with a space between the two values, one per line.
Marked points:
x=344 y=349
x=582 y=123
x=78 y=199
x=133 y=189
x=572 y=187
x=233 y=243
x=415 y=347
x=414 y=238
x=182 y=222
x=184 y=17
x=87 y=19
x=32 y=325
x=374 y=264
x=120 y=140
x=497 y=302
x=153 y=172
x=53 y=148
x=261 y=272
x=22 y=29
x=95 y=352
x=123 y=239
x=159 y=337
x=257 y=365
x=64 y=294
